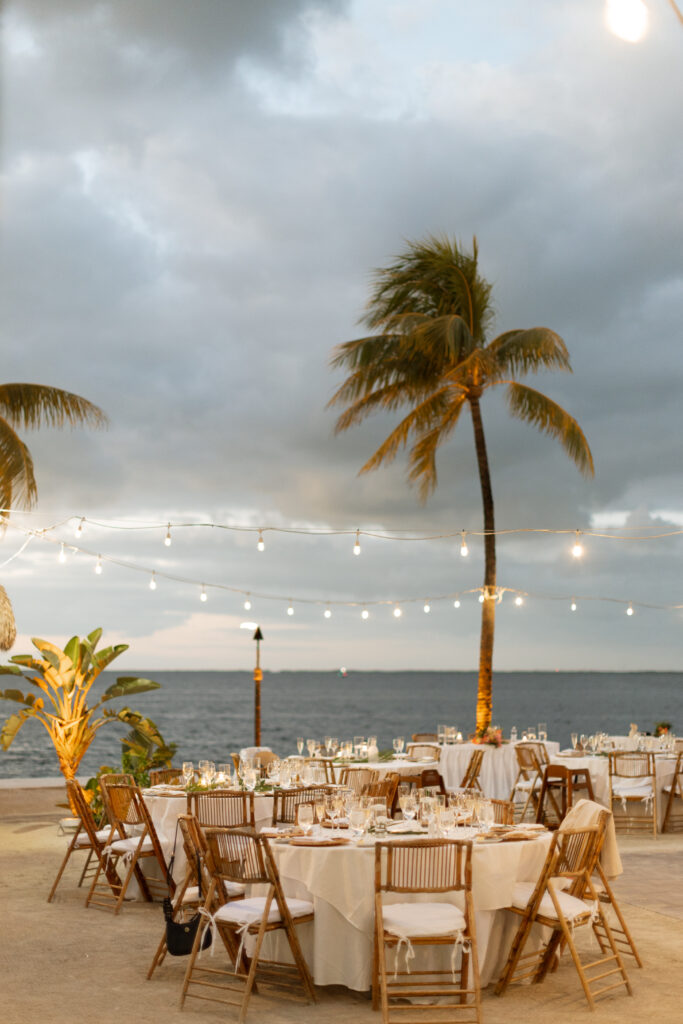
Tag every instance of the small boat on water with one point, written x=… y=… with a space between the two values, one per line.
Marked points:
x=342 y=672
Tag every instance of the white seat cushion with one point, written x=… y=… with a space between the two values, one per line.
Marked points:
x=191 y=894
x=83 y=839
x=414 y=920
x=131 y=845
x=632 y=787
x=250 y=911
x=570 y=905
x=526 y=784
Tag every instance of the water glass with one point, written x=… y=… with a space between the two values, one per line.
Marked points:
x=357 y=822
x=305 y=817
x=531 y=733
x=358 y=742
x=188 y=772
x=542 y=732
x=441 y=733
x=513 y=734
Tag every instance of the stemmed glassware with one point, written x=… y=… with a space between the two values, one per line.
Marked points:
x=310 y=746
x=398 y=744
x=305 y=817
x=188 y=772
x=320 y=808
x=300 y=745
x=575 y=740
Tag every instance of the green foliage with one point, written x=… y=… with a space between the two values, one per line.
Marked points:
x=144 y=749
x=662 y=727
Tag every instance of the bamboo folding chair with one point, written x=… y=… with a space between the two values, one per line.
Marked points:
x=222 y=808
x=435 y=866
x=262 y=758
x=503 y=812
x=355 y=778
x=132 y=838
x=632 y=782
x=420 y=751
x=470 y=779
x=87 y=837
x=571 y=858
x=431 y=778
x=529 y=777
x=673 y=819
x=425 y=737
x=240 y=856
x=556 y=795
x=158 y=776
x=325 y=764
x=287 y=801
x=385 y=789
x=112 y=779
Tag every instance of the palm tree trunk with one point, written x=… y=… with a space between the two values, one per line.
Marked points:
x=488 y=608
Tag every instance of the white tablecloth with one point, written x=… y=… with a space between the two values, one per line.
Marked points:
x=498 y=769
x=598 y=766
x=404 y=767
x=340 y=882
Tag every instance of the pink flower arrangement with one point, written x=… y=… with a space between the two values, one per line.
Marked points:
x=493 y=737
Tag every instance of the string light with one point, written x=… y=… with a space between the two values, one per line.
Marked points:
x=365 y=614
x=481 y=599
x=167 y=538
x=572 y=606
x=290 y=608
x=328 y=612
x=629 y=610
x=427 y=608
x=397 y=612
x=627 y=19
x=577 y=550
x=247 y=604
x=203 y=594
x=79 y=529
x=456 y=603
x=62 y=555
x=260 y=544
x=98 y=566
x=356 y=546
x=153 y=583
x=519 y=600
x=464 y=550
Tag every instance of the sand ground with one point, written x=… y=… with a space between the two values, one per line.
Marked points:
x=61 y=963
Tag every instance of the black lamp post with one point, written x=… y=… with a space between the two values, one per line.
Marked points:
x=258 y=677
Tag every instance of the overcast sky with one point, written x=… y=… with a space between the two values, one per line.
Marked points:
x=195 y=197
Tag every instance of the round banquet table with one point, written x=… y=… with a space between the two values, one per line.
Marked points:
x=498 y=769
x=338 y=944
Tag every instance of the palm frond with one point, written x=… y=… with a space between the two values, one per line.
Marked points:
x=422 y=418
x=389 y=398
x=35 y=405
x=533 y=407
x=422 y=464
x=530 y=350
x=17 y=482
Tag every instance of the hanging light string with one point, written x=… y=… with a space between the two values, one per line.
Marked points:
x=630 y=533
x=483 y=593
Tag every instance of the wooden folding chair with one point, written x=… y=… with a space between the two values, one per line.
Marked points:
x=571 y=857
x=222 y=808
x=87 y=838
x=673 y=818
x=470 y=779
x=286 y=802
x=240 y=856
x=419 y=751
x=633 y=784
x=438 y=867
x=355 y=778
x=385 y=788
x=157 y=776
x=431 y=778
x=503 y=811
x=529 y=777
x=556 y=796
x=132 y=838
x=425 y=737
x=325 y=764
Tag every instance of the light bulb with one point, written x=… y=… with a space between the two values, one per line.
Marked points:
x=464 y=550
x=290 y=609
x=261 y=543
x=629 y=610
x=397 y=612
x=627 y=19
x=573 y=606
x=203 y=595
x=427 y=608
x=519 y=600
x=365 y=614
x=153 y=583
x=247 y=605
x=98 y=567
x=327 y=613
x=167 y=538
x=456 y=603
x=62 y=555
x=356 y=546
x=79 y=528
x=577 y=550
x=481 y=599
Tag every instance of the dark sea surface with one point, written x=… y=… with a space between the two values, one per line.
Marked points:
x=210 y=714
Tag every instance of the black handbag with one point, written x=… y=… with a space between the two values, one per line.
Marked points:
x=180 y=935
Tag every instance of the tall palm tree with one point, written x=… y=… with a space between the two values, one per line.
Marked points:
x=30 y=406
x=431 y=310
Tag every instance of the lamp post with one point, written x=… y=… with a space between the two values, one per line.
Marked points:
x=258 y=678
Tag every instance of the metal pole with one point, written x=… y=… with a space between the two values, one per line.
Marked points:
x=258 y=677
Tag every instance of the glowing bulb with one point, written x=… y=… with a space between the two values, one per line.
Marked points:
x=261 y=543
x=153 y=583
x=328 y=613
x=365 y=614
x=79 y=528
x=167 y=538
x=427 y=608
x=397 y=612
x=247 y=605
x=577 y=550
x=356 y=546
x=519 y=600
x=481 y=599
x=98 y=567
x=62 y=555
x=629 y=610
x=627 y=19
x=573 y=606
x=464 y=550
x=456 y=603
x=203 y=595
x=290 y=609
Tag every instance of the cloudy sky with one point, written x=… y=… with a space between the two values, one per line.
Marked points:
x=195 y=196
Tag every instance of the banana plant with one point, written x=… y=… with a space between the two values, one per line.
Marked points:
x=63 y=679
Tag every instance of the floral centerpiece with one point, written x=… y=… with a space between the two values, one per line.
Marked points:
x=492 y=737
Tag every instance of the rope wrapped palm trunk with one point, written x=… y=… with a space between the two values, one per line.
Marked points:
x=8 y=628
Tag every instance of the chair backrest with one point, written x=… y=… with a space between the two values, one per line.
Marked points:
x=631 y=764
x=678 y=745
x=262 y=758
x=325 y=766
x=383 y=789
x=82 y=809
x=419 y=750
x=113 y=779
x=425 y=737
x=157 y=776
x=503 y=812
x=527 y=758
x=539 y=749
x=287 y=800
x=576 y=853
x=428 y=865
x=473 y=768
x=431 y=778
x=127 y=805
x=357 y=778
x=222 y=808
x=237 y=855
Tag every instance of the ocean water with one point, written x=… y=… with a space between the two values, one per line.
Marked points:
x=210 y=714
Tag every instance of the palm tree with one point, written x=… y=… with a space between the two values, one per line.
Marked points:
x=431 y=310
x=30 y=406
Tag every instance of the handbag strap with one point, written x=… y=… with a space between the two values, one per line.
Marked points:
x=169 y=867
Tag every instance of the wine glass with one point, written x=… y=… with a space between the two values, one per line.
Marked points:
x=310 y=746
x=320 y=808
x=396 y=745
x=188 y=772
x=300 y=745
x=357 y=822
x=210 y=772
x=486 y=815
x=575 y=739
x=358 y=742
x=305 y=817
x=408 y=805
